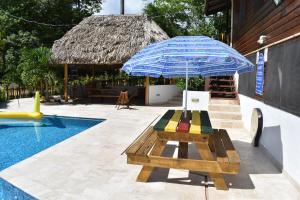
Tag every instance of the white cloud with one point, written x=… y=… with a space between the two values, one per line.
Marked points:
x=112 y=7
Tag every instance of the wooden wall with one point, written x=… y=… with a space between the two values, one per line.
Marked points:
x=253 y=18
x=282 y=77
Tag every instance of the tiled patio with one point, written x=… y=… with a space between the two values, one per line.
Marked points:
x=90 y=165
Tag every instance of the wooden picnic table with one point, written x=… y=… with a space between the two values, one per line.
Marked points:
x=218 y=155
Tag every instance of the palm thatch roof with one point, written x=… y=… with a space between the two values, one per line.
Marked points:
x=106 y=40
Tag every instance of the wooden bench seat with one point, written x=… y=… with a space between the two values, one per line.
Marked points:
x=226 y=154
x=143 y=144
x=94 y=93
x=141 y=153
x=103 y=96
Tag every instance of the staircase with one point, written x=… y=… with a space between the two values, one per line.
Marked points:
x=225 y=114
x=222 y=87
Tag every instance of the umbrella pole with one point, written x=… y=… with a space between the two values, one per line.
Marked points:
x=186 y=88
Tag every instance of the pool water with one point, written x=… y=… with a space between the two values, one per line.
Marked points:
x=20 y=139
x=10 y=192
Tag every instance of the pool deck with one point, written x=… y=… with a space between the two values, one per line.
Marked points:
x=90 y=165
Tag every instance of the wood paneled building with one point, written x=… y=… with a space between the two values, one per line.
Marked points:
x=278 y=22
x=254 y=18
x=270 y=28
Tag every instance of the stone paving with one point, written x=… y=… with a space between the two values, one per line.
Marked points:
x=90 y=165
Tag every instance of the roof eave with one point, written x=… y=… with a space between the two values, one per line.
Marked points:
x=215 y=6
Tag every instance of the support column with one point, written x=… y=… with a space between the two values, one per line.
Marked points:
x=147 y=83
x=122 y=7
x=66 y=82
x=93 y=72
x=206 y=83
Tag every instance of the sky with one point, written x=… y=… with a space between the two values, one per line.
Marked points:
x=131 y=6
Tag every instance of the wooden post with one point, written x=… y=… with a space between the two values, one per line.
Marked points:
x=122 y=7
x=217 y=178
x=206 y=83
x=66 y=82
x=183 y=150
x=147 y=90
x=93 y=72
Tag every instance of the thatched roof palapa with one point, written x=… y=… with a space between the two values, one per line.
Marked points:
x=106 y=40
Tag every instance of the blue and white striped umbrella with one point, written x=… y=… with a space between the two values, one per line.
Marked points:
x=198 y=55
x=187 y=56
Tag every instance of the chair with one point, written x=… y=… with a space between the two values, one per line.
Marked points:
x=123 y=99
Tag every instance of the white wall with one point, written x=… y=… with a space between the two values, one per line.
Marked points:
x=162 y=93
x=196 y=100
x=280 y=137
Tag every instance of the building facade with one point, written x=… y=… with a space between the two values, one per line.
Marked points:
x=272 y=28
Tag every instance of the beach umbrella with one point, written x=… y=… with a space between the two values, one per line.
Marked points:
x=187 y=56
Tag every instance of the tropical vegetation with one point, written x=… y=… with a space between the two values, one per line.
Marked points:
x=28 y=29
x=186 y=17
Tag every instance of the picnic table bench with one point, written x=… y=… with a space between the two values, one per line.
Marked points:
x=94 y=93
x=218 y=155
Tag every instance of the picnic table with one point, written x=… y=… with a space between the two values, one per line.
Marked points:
x=217 y=153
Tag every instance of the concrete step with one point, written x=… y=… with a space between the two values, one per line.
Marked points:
x=225 y=115
x=224 y=124
x=224 y=108
x=224 y=101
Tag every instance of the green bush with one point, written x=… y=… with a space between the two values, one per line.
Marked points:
x=194 y=84
x=2 y=95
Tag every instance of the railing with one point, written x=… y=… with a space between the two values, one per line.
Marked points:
x=15 y=93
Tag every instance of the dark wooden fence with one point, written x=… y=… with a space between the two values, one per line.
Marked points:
x=15 y=93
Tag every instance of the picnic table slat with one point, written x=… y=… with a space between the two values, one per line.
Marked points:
x=173 y=123
x=146 y=171
x=231 y=152
x=184 y=124
x=205 y=153
x=206 y=127
x=180 y=137
x=161 y=124
x=196 y=123
x=146 y=147
x=219 y=147
x=139 y=142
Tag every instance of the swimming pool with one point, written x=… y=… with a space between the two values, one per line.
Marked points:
x=20 y=139
x=9 y=192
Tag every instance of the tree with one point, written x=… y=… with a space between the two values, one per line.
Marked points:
x=186 y=17
x=29 y=24
x=34 y=69
x=14 y=45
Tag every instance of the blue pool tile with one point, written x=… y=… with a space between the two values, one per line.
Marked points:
x=10 y=192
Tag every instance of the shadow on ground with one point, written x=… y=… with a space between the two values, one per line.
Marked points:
x=253 y=161
x=3 y=105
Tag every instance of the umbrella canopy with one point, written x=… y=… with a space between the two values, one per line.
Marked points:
x=185 y=56
x=196 y=55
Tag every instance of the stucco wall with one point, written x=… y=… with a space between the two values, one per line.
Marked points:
x=162 y=93
x=280 y=137
x=197 y=100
